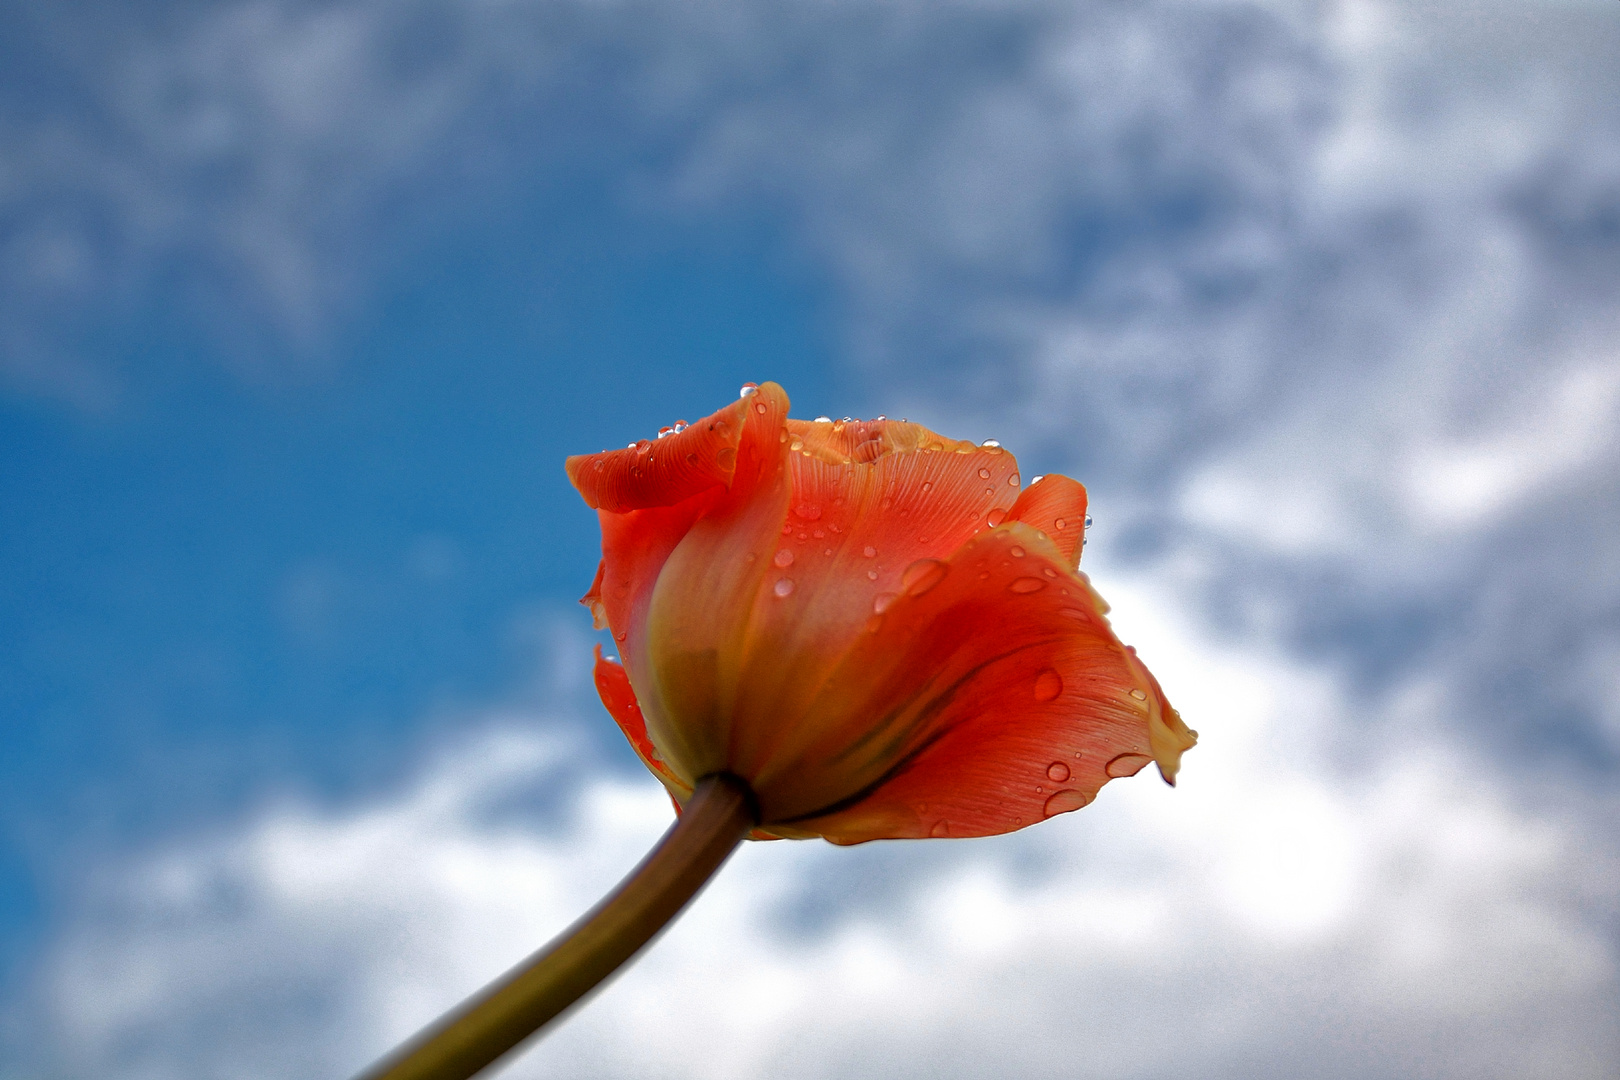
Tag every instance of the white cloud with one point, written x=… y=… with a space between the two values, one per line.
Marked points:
x=1298 y=907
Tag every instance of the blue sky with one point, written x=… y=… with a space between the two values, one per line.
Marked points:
x=302 y=305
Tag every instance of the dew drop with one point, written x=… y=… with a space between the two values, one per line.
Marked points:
x=922 y=576
x=680 y=426
x=823 y=419
x=1057 y=772
x=1026 y=585
x=1061 y=524
x=665 y=432
x=1075 y=613
x=783 y=587
x=1048 y=685
x=807 y=511
x=1016 y=552
x=1012 y=480
x=804 y=536
x=1139 y=695
x=1037 y=479
x=870 y=552
x=871 y=575
x=928 y=485
x=883 y=602
x=1061 y=802
x=621 y=635
x=783 y=559
x=996 y=517
x=991 y=443
x=826 y=551
x=984 y=474
x=748 y=389
x=759 y=407
x=1088 y=521
x=1126 y=765
x=796 y=444
x=881 y=417
x=940 y=829
x=1039 y=790
x=725 y=457
x=1049 y=572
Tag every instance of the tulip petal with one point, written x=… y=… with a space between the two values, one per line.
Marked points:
x=1057 y=507
x=613 y=686
x=998 y=697
x=842 y=553
x=662 y=472
x=699 y=610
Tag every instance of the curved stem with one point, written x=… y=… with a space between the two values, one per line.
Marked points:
x=515 y=1006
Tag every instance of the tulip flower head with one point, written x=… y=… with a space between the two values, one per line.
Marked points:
x=878 y=629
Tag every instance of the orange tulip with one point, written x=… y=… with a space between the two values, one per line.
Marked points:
x=871 y=625
x=855 y=630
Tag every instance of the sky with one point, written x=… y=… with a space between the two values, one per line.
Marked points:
x=303 y=304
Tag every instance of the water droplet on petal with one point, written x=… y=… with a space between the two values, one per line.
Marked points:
x=1057 y=772
x=1076 y=614
x=1061 y=524
x=725 y=457
x=680 y=426
x=748 y=389
x=665 y=432
x=996 y=517
x=1062 y=802
x=928 y=485
x=783 y=587
x=1088 y=521
x=1037 y=479
x=984 y=474
x=940 y=829
x=784 y=559
x=990 y=442
x=883 y=602
x=871 y=575
x=1016 y=552
x=1013 y=480
x=823 y=419
x=621 y=635
x=870 y=552
x=1049 y=572
x=759 y=407
x=1048 y=685
x=1139 y=695
x=1126 y=765
x=923 y=575
x=1026 y=585
x=796 y=444
x=807 y=511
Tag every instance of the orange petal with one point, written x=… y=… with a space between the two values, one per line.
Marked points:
x=1057 y=507
x=613 y=686
x=995 y=698
x=841 y=553
x=662 y=472
x=697 y=616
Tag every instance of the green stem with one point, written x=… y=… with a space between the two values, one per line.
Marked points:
x=515 y=1006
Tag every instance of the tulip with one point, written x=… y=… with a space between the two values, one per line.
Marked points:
x=856 y=630
x=872 y=626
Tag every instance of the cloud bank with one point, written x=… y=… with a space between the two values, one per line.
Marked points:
x=1267 y=918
